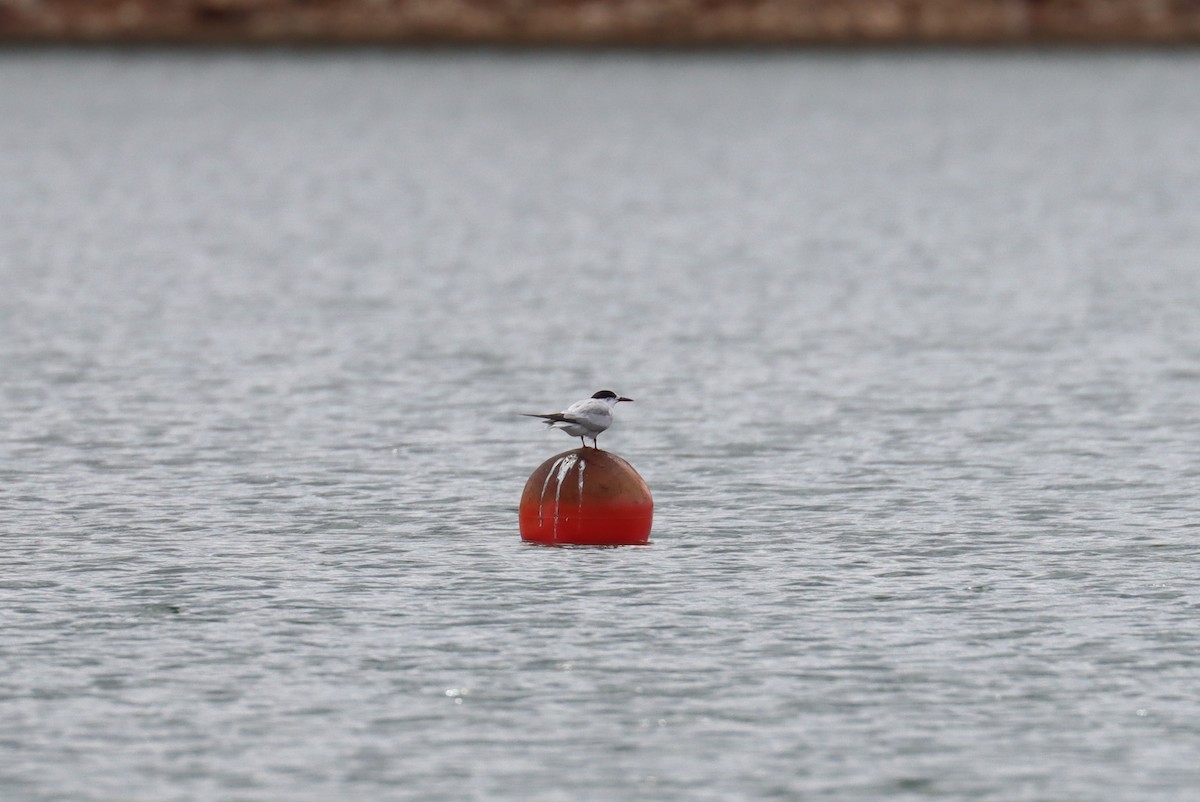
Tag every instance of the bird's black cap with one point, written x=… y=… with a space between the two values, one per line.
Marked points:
x=606 y=394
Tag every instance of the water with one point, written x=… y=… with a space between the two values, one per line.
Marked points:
x=916 y=352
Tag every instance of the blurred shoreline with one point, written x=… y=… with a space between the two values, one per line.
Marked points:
x=609 y=23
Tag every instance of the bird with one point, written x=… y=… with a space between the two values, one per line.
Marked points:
x=586 y=418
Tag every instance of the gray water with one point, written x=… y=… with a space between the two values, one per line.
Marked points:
x=915 y=346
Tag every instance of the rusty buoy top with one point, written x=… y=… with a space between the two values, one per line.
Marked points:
x=586 y=497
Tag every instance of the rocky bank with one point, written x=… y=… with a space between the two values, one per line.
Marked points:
x=602 y=22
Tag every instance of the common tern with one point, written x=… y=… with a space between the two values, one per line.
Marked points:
x=586 y=418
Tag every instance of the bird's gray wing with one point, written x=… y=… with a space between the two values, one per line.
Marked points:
x=588 y=406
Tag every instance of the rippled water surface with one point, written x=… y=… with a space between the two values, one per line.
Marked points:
x=915 y=343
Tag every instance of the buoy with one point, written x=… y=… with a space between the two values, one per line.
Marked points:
x=586 y=497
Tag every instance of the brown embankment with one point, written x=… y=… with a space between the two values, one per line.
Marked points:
x=616 y=22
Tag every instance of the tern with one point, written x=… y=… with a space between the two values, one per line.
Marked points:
x=586 y=418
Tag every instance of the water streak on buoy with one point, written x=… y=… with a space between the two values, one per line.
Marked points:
x=579 y=506
x=546 y=484
x=564 y=467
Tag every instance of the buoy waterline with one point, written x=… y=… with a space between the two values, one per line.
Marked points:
x=586 y=497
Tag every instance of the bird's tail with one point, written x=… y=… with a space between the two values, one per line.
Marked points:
x=547 y=418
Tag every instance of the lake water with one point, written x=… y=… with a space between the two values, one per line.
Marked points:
x=914 y=340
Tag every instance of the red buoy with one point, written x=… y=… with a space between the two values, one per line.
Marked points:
x=586 y=497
